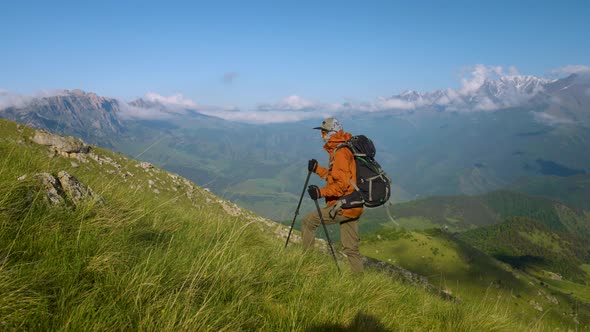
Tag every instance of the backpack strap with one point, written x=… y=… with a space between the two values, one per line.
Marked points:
x=354 y=185
x=333 y=155
x=345 y=144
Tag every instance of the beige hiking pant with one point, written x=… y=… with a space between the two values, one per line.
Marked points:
x=349 y=234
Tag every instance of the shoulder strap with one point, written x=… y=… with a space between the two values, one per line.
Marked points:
x=345 y=144
x=354 y=151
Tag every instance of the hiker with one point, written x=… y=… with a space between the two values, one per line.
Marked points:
x=338 y=175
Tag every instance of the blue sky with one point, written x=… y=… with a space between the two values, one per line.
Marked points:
x=247 y=53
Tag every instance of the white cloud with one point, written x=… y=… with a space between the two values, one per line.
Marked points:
x=290 y=103
x=289 y=109
x=174 y=100
x=134 y=112
x=297 y=103
x=477 y=77
x=485 y=104
x=444 y=100
x=383 y=104
x=264 y=117
x=11 y=99
x=571 y=69
x=165 y=107
x=310 y=109
x=550 y=119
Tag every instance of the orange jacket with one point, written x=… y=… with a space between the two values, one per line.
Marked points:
x=341 y=170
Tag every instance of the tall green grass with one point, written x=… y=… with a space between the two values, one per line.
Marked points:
x=146 y=261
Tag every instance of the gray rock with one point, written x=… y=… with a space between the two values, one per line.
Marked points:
x=76 y=190
x=53 y=191
x=65 y=188
x=145 y=165
x=60 y=143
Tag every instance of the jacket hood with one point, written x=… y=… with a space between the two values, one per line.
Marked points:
x=336 y=139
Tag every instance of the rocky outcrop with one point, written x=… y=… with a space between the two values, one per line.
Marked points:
x=65 y=188
x=65 y=146
x=71 y=147
x=78 y=113
x=145 y=165
x=53 y=192
x=75 y=190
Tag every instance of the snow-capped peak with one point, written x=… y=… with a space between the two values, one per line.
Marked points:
x=514 y=83
x=488 y=94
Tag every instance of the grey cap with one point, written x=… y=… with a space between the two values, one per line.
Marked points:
x=330 y=124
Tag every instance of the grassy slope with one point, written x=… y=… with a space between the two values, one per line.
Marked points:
x=166 y=261
x=470 y=275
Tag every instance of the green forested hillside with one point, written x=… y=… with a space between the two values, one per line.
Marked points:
x=525 y=243
x=572 y=190
x=461 y=213
x=553 y=214
x=154 y=252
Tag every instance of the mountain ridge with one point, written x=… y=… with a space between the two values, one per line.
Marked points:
x=426 y=153
x=505 y=91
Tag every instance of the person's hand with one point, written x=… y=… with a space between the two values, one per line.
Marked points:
x=314 y=192
x=312 y=165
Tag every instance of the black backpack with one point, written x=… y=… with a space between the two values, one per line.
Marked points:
x=373 y=185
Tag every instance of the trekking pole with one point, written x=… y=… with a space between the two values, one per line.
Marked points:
x=327 y=236
x=298 y=206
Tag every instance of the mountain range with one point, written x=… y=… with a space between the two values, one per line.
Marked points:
x=482 y=137
x=506 y=91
